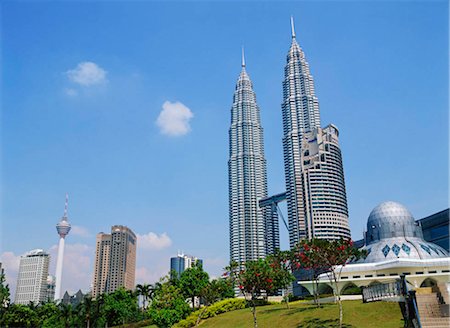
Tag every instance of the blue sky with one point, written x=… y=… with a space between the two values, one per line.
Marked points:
x=381 y=75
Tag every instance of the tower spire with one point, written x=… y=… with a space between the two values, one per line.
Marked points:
x=243 y=57
x=62 y=227
x=292 y=27
x=66 y=205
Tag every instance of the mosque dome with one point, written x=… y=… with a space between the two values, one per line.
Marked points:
x=392 y=232
x=391 y=219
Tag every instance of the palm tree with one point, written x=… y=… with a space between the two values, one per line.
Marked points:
x=86 y=310
x=146 y=291
x=98 y=308
x=66 y=313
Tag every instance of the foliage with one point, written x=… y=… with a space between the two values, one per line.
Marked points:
x=213 y=310
x=146 y=291
x=224 y=288
x=85 y=310
x=214 y=291
x=120 y=307
x=65 y=314
x=281 y=262
x=48 y=315
x=354 y=290
x=169 y=305
x=116 y=308
x=193 y=281
x=329 y=256
x=4 y=294
x=261 y=277
x=19 y=315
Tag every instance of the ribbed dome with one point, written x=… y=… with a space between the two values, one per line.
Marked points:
x=391 y=219
x=393 y=233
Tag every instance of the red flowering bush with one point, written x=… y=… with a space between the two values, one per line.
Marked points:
x=262 y=277
x=320 y=255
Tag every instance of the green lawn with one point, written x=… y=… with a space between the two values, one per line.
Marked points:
x=356 y=314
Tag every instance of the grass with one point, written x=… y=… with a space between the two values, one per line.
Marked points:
x=356 y=315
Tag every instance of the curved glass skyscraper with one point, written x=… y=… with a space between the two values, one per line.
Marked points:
x=315 y=193
x=247 y=175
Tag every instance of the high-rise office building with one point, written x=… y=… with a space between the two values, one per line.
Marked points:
x=115 y=261
x=122 y=265
x=247 y=175
x=101 y=266
x=63 y=228
x=310 y=206
x=324 y=185
x=32 y=278
x=182 y=262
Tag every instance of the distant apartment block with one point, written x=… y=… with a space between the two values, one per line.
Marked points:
x=51 y=285
x=32 y=277
x=115 y=261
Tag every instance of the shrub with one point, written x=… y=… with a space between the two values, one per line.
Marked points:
x=354 y=290
x=169 y=306
x=227 y=305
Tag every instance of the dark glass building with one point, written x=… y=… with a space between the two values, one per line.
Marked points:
x=182 y=262
x=435 y=228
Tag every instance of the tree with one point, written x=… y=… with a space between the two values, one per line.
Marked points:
x=19 y=315
x=98 y=314
x=225 y=288
x=169 y=305
x=192 y=281
x=120 y=307
x=4 y=297
x=330 y=256
x=147 y=292
x=65 y=313
x=259 y=277
x=48 y=315
x=282 y=262
x=303 y=257
x=86 y=309
x=4 y=293
x=215 y=290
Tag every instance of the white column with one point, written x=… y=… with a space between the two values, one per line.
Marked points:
x=59 y=266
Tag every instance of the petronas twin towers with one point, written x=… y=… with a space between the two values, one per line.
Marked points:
x=315 y=186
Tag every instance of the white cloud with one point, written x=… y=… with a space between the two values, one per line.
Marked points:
x=10 y=263
x=80 y=231
x=77 y=266
x=70 y=92
x=153 y=241
x=174 y=119
x=87 y=74
x=145 y=276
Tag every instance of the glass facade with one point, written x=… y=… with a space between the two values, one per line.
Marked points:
x=436 y=228
x=247 y=178
x=315 y=186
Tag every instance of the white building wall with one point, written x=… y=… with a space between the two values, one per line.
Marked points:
x=32 y=278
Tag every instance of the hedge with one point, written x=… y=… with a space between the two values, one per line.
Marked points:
x=227 y=305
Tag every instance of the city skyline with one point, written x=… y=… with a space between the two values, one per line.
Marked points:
x=94 y=119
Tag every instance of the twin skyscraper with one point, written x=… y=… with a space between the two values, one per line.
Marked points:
x=315 y=186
